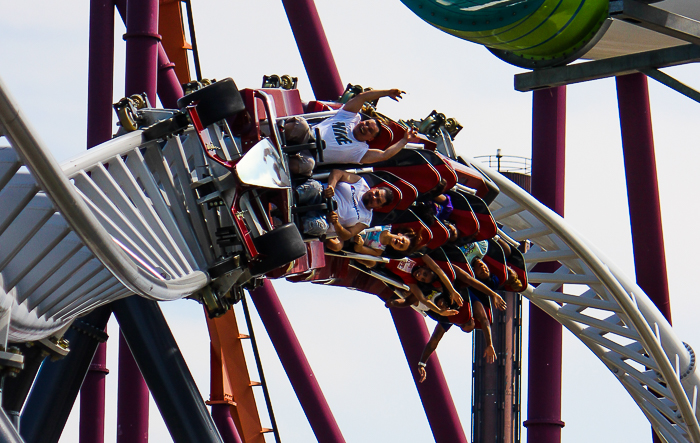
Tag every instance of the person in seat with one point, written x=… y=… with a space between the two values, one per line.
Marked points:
x=375 y=242
x=346 y=135
x=469 y=287
x=422 y=293
x=355 y=202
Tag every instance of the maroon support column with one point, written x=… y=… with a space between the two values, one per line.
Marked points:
x=643 y=191
x=92 y=399
x=100 y=72
x=141 y=75
x=99 y=129
x=132 y=399
x=314 y=49
x=142 y=40
x=221 y=413
x=295 y=364
x=169 y=87
x=544 y=351
x=433 y=392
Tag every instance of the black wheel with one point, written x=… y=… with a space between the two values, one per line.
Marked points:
x=217 y=101
x=277 y=248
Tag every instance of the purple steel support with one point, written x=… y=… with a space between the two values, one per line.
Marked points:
x=141 y=76
x=295 y=364
x=643 y=191
x=221 y=413
x=433 y=392
x=169 y=87
x=100 y=72
x=544 y=351
x=92 y=399
x=314 y=49
x=132 y=399
x=142 y=40
x=99 y=129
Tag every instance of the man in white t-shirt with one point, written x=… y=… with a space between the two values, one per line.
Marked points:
x=346 y=135
x=355 y=202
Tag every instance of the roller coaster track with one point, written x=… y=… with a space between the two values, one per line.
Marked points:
x=610 y=314
x=123 y=219
x=112 y=223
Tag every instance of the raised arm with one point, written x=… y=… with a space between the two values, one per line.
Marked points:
x=428 y=351
x=336 y=176
x=479 y=286
x=377 y=155
x=454 y=295
x=355 y=104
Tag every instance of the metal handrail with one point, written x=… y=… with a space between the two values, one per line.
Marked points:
x=75 y=211
x=507 y=163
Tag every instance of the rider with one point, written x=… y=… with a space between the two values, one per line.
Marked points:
x=355 y=202
x=474 y=287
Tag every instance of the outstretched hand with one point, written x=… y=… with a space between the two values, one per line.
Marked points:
x=490 y=354
x=500 y=303
x=395 y=94
x=412 y=136
x=422 y=374
x=449 y=312
x=456 y=298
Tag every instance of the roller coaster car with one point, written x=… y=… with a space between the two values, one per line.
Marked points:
x=250 y=184
x=255 y=181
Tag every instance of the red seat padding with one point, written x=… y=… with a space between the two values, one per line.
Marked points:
x=424 y=234
x=440 y=234
x=391 y=133
x=424 y=177
x=409 y=193
x=516 y=262
x=320 y=106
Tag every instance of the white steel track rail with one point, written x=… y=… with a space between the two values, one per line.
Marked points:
x=121 y=219
x=609 y=313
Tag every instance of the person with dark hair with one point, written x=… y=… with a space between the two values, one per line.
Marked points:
x=422 y=293
x=375 y=241
x=355 y=202
x=346 y=135
x=471 y=288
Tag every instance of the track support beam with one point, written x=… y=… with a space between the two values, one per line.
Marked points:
x=656 y=19
x=158 y=357
x=57 y=384
x=295 y=364
x=545 y=346
x=609 y=67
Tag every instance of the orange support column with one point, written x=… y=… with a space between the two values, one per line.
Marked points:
x=230 y=380
x=172 y=30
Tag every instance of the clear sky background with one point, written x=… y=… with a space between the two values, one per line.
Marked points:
x=348 y=336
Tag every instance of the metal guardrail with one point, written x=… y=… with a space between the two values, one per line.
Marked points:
x=507 y=163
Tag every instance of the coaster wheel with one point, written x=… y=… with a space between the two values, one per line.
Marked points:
x=277 y=248
x=215 y=102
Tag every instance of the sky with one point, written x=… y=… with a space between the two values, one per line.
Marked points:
x=348 y=336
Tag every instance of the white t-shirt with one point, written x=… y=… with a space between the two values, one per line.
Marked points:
x=341 y=145
x=351 y=210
